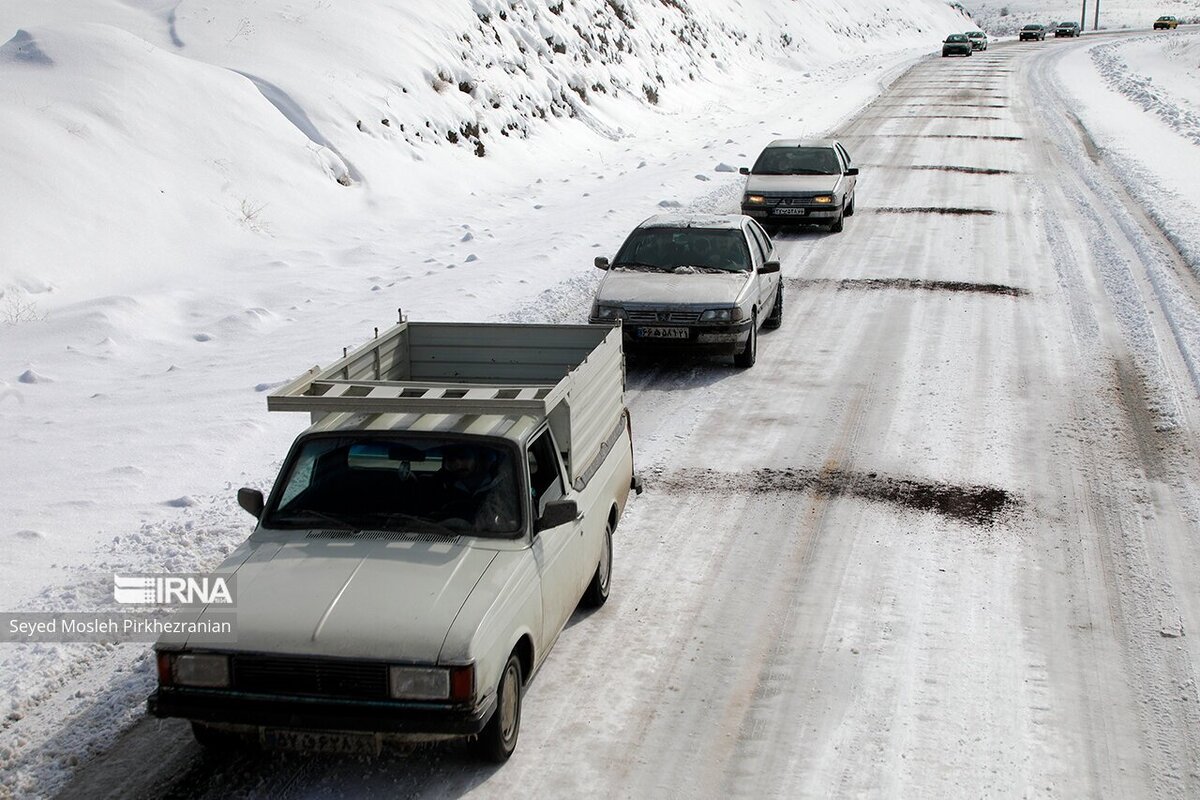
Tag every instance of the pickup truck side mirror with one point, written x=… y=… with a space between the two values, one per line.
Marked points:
x=768 y=268
x=252 y=501
x=852 y=171
x=601 y=262
x=557 y=512
x=743 y=170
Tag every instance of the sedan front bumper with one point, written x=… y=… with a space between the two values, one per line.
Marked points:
x=667 y=336
x=319 y=713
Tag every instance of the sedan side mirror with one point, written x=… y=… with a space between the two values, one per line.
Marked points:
x=768 y=268
x=252 y=501
x=852 y=171
x=601 y=262
x=743 y=170
x=557 y=512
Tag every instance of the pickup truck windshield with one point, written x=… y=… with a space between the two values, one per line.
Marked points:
x=399 y=483
x=670 y=249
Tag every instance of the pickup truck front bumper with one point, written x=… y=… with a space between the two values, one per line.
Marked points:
x=319 y=713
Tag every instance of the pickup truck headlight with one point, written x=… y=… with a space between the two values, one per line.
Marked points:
x=721 y=315
x=431 y=683
x=755 y=198
x=206 y=670
x=607 y=312
x=824 y=199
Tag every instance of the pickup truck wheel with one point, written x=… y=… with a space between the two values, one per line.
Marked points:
x=597 y=591
x=217 y=740
x=775 y=318
x=498 y=738
x=749 y=355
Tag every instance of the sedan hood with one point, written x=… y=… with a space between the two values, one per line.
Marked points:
x=671 y=288
x=792 y=183
x=366 y=599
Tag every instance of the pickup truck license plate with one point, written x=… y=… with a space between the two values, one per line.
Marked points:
x=662 y=333
x=321 y=742
x=795 y=212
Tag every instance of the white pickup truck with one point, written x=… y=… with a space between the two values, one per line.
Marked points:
x=428 y=538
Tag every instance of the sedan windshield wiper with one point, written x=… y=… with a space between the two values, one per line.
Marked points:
x=634 y=265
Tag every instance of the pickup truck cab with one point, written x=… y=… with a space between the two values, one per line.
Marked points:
x=700 y=283
x=428 y=538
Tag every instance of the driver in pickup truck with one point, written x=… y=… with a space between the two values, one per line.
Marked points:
x=475 y=485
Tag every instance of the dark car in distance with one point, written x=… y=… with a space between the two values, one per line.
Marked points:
x=1066 y=29
x=1166 y=23
x=1033 y=32
x=957 y=44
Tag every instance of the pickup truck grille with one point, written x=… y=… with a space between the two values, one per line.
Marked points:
x=310 y=676
x=658 y=317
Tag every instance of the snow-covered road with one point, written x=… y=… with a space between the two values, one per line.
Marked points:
x=938 y=542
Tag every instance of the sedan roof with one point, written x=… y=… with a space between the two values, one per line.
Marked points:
x=731 y=221
x=802 y=143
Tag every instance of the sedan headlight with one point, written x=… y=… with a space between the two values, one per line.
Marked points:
x=721 y=315
x=607 y=312
x=755 y=198
x=207 y=670
x=456 y=684
x=824 y=199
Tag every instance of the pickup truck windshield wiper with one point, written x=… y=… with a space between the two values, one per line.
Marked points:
x=421 y=523
x=307 y=514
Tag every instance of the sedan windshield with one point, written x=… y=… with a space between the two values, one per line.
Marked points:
x=797 y=161
x=684 y=250
x=956 y=37
x=399 y=482
x=1032 y=28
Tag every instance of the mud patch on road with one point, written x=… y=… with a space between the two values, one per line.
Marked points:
x=974 y=505
x=968 y=170
x=930 y=286
x=949 y=210
x=948 y=116
x=931 y=136
x=910 y=284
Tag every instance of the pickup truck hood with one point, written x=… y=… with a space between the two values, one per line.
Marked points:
x=671 y=288
x=366 y=599
x=792 y=183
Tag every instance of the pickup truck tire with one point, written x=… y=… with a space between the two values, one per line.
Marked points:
x=749 y=355
x=775 y=318
x=498 y=739
x=217 y=740
x=597 y=591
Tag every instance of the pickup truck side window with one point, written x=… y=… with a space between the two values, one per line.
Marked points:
x=545 y=478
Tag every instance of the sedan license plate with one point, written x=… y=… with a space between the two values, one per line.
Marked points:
x=662 y=333
x=795 y=212
x=321 y=742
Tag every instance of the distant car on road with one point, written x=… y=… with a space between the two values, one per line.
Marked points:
x=957 y=44
x=1033 y=32
x=1166 y=22
x=801 y=183
x=1069 y=28
x=979 y=40
x=698 y=283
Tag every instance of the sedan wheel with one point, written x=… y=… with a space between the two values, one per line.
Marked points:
x=749 y=355
x=775 y=318
x=498 y=739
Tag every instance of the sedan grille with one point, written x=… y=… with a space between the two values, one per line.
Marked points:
x=655 y=317
x=310 y=676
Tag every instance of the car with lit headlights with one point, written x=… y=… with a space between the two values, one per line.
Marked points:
x=801 y=182
x=696 y=283
x=979 y=40
x=1166 y=22
x=1068 y=28
x=1033 y=32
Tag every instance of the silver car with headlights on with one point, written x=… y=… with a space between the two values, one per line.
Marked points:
x=795 y=182
x=697 y=283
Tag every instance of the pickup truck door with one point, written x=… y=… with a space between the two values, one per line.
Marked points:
x=557 y=551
